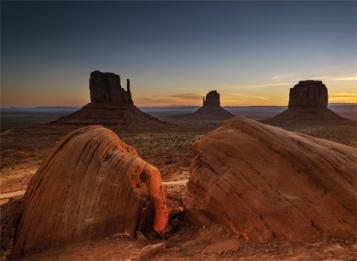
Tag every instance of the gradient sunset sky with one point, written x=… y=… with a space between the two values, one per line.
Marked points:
x=175 y=52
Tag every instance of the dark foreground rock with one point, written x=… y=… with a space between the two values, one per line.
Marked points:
x=92 y=185
x=264 y=183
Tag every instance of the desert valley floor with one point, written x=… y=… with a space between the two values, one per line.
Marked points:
x=24 y=148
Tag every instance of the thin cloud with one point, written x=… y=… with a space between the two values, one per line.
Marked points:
x=283 y=76
x=265 y=85
x=348 y=78
x=186 y=96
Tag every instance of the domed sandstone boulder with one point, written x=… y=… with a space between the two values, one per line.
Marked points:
x=265 y=183
x=91 y=185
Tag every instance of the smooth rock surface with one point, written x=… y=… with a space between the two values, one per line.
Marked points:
x=265 y=183
x=91 y=185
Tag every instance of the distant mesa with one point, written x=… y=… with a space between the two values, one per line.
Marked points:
x=92 y=185
x=211 y=109
x=308 y=94
x=264 y=183
x=111 y=105
x=308 y=101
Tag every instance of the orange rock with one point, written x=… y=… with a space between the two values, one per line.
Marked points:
x=91 y=185
x=264 y=183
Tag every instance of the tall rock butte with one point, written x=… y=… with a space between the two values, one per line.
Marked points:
x=111 y=105
x=308 y=101
x=92 y=185
x=211 y=109
x=106 y=88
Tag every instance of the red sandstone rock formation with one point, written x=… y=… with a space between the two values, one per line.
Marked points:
x=308 y=101
x=265 y=183
x=91 y=185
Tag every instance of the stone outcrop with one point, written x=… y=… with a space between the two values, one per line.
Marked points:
x=265 y=183
x=308 y=94
x=308 y=102
x=111 y=105
x=106 y=88
x=212 y=100
x=211 y=109
x=91 y=185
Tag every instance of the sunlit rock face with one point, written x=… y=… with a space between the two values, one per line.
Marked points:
x=91 y=185
x=265 y=183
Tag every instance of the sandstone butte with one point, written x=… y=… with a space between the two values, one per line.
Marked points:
x=91 y=185
x=210 y=110
x=308 y=101
x=265 y=183
x=111 y=105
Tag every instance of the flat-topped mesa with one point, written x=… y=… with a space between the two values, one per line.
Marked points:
x=308 y=94
x=308 y=102
x=106 y=88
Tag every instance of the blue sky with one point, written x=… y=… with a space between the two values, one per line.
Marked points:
x=175 y=52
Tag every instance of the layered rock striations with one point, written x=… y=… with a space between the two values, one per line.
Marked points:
x=264 y=183
x=91 y=185
x=111 y=105
x=308 y=101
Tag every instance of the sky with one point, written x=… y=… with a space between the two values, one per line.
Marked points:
x=175 y=52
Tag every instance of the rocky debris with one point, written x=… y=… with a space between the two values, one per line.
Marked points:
x=106 y=88
x=211 y=109
x=111 y=105
x=91 y=185
x=308 y=101
x=151 y=250
x=264 y=183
